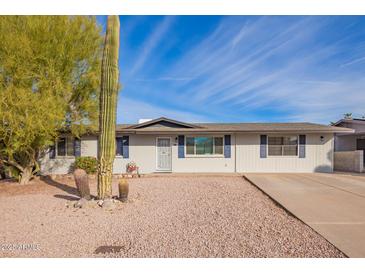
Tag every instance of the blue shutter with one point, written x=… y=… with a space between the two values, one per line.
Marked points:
x=77 y=147
x=181 y=148
x=263 y=146
x=52 y=152
x=302 y=141
x=119 y=144
x=227 y=146
x=125 y=147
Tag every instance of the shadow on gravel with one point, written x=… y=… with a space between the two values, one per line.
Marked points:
x=66 y=188
x=66 y=197
x=108 y=249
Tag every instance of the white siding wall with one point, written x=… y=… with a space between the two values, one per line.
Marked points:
x=319 y=156
x=56 y=166
x=142 y=150
x=89 y=146
x=62 y=165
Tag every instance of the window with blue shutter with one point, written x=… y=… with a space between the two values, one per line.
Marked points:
x=263 y=146
x=125 y=147
x=77 y=147
x=181 y=146
x=119 y=146
x=302 y=143
x=227 y=146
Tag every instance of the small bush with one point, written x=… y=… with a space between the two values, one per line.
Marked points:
x=89 y=164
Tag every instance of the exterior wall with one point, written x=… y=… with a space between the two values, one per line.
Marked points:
x=319 y=156
x=345 y=143
x=142 y=150
x=63 y=165
x=349 y=161
x=89 y=146
x=56 y=166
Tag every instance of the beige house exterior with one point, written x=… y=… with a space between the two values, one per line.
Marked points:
x=350 y=141
x=350 y=146
x=165 y=145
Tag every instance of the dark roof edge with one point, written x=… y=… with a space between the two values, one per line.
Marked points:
x=330 y=130
x=352 y=121
x=153 y=121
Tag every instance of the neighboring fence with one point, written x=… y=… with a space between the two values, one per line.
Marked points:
x=352 y=161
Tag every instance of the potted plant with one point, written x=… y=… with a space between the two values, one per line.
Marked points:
x=132 y=168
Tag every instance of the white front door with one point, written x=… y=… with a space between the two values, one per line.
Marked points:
x=163 y=154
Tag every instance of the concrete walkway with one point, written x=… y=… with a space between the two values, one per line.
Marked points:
x=332 y=204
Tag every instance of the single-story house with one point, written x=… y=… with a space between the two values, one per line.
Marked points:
x=166 y=145
x=348 y=141
x=350 y=146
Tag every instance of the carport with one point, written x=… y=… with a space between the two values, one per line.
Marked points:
x=332 y=204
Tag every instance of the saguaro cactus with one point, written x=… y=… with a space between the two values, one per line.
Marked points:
x=108 y=107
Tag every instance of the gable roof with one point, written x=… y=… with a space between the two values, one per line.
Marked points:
x=148 y=127
x=163 y=119
x=350 y=121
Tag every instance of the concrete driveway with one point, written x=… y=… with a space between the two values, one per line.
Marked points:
x=332 y=204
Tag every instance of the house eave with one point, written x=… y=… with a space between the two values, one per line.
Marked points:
x=199 y=131
x=154 y=121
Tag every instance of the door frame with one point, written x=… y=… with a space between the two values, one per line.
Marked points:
x=156 y=160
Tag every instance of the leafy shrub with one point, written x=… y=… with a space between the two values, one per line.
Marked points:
x=89 y=164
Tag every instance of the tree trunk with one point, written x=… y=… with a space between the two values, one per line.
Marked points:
x=108 y=108
x=2 y=172
x=26 y=175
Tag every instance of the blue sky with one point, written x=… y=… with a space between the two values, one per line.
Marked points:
x=241 y=68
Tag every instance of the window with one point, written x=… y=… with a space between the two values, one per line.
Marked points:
x=204 y=145
x=122 y=146
x=65 y=146
x=282 y=145
x=119 y=146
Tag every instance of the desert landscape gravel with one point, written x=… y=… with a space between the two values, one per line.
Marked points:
x=165 y=216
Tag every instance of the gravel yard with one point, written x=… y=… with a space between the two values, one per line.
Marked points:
x=166 y=216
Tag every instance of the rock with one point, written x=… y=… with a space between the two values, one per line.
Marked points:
x=108 y=204
x=91 y=204
x=100 y=203
x=80 y=203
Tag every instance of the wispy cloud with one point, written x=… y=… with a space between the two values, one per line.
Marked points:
x=152 y=42
x=131 y=110
x=353 y=62
x=258 y=68
x=164 y=79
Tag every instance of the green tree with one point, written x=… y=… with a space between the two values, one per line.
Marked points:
x=347 y=115
x=49 y=82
